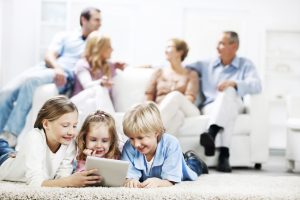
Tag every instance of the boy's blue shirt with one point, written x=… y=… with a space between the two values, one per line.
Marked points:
x=168 y=163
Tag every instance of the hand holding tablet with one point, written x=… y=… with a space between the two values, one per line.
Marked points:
x=113 y=172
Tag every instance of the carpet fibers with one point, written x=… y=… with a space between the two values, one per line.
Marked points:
x=212 y=186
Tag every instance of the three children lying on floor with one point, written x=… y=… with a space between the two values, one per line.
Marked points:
x=46 y=156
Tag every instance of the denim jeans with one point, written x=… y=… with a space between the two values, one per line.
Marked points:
x=68 y=87
x=5 y=150
x=195 y=165
x=16 y=97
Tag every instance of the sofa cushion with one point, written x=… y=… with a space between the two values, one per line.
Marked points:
x=293 y=123
x=193 y=126
x=130 y=83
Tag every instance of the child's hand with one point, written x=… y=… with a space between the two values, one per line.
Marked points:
x=88 y=152
x=132 y=183
x=155 y=182
x=84 y=178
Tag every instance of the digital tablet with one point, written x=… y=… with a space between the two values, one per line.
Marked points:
x=113 y=172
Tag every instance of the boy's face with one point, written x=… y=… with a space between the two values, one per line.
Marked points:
x=145 y=143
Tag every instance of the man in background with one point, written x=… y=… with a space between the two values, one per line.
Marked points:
x=61 y=56
x=224 y=81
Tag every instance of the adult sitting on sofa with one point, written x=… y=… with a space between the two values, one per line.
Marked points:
x=64 y=51
x=224 y=82
x=93 y=77
x=174 y=88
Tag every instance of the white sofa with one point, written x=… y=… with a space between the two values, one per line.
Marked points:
x=250 y=138
x=293 y=131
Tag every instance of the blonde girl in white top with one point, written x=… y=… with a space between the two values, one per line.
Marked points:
x=46 y=155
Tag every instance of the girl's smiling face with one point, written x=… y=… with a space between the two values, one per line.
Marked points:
x=61 y=131
x=98 y=139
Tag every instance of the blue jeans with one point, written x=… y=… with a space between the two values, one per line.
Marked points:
x=16 y=97
x=195 y=165
x=5 y=150
x=68 y=87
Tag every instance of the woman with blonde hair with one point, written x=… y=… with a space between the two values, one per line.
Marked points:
x=94 y=68
x=93 y=77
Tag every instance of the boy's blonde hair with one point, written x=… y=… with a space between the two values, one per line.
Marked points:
x=95 y=45
x=108 y=120
x=143 y=119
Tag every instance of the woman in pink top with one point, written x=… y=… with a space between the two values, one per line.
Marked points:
x=94 y=68
x=94 y=74
x=174 y=88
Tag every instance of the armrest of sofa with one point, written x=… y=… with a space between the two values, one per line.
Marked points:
x=293 y=106
x=41 y=95
x=259 y=109
x=129 y=87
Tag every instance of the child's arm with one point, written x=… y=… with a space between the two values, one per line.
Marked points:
x=79 y=179
x=133 y=174
x=172 y=168
x=156 y=182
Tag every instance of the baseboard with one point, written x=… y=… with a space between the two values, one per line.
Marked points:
x=276 y=152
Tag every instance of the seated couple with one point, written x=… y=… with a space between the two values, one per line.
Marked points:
x=45 y=157
x=224 y=81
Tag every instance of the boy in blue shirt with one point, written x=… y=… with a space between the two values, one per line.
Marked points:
x=155 y=157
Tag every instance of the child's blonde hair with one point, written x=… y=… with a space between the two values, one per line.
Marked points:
x=108 y=120
x=96 y=44
x=53 y=109
x=143 y=119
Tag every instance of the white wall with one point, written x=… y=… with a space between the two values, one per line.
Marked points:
x=139 y=29
x=19 y=34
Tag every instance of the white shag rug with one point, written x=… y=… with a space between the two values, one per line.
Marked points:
x=212 y=186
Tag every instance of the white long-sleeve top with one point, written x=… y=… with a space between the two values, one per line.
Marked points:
x=35 y=162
